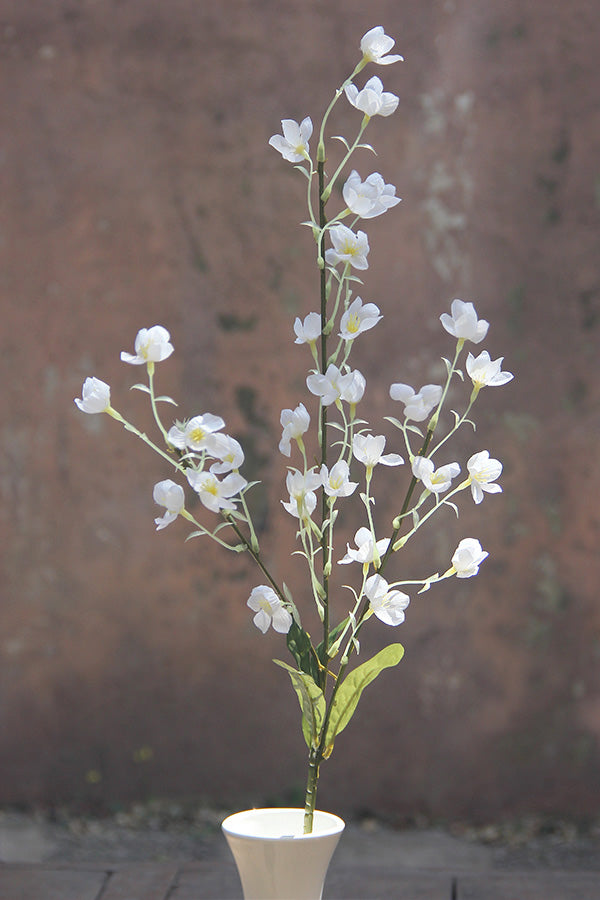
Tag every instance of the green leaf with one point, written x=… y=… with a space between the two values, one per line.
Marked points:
x=396 y=422
x=349 y=692
x=452 y=506
x=338 y=137
x=300 y=646
x=448 y=364
x=333 y=634
x=311 y=700
x=367 y=147
x=140 y=387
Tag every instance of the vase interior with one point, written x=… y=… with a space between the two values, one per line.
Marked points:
x=279 y=824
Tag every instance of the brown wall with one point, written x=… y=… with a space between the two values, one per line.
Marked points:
x=137 y=187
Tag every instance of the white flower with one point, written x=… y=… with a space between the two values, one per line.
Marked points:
x=170 y=495
x=485 y=372
x=417 y=406
x=293 y=146
x=295 y=423
x=214 y=494
x=435 y=480
x=176 y=436
x=368 y=449
x=335 y=385
x=226 y=450
x=375 y=44
x=369 y=198
x=484 y=471
x=352 y=387
x=372 y=100
x=309 y=331
x=336 y=482
x=325 y=386
x=367 y=550
x=467 y=558
x=388 y=605
x=358 y=317
x=151 y=345
x=463 y=323
x=269 y=610
x=95 y=396
x=348 y=247
x=199 y=429
x=301 y=487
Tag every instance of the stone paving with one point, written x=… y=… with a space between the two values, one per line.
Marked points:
x=39 y=861
x=207 y=881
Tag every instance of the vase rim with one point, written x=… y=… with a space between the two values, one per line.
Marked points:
x=243 y=824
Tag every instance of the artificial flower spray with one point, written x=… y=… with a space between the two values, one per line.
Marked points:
x=326 y=672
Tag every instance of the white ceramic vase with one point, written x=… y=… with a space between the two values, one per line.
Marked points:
x=275 y=859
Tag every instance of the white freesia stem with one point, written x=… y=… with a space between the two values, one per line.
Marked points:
x=403 y=426
x=352 y=623
x=321 y=147
x=162 y=429
x=457 y=425
x=328 y=562
x=343 y=281
x=331 y=184
x=438 y=504
x=435 y=417
x=368 y=476
x=202 y=530
x=253 y=538
x=333 y=357
x=311 y=174
x=309 y=552
x=346 y=442
x=144 y=437
x=425 y=582
x=324 y=287
x=255 y=556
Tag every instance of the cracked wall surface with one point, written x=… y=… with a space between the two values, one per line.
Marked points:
x=137 y=187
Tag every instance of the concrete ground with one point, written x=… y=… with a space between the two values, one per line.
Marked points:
x=115 y=860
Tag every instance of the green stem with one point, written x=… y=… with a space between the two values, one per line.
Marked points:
x=461 y=487
x=422 y=452
x=405 y=505
x=316 y=755
x=256 y=557
x=338 y=297
x=312 y=781
x=143 y=437
x=321 y=147
x=253 y=537
x=204 y=531
x=162 y=429
x=327 y=192
x=325 y=535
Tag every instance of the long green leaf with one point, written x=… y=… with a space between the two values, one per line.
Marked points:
x=312 y=703
x=350 y=690
x=301 y=648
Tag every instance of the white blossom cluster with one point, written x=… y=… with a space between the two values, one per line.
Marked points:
x=208 y=461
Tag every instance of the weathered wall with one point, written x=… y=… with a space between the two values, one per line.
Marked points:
x=137 y=187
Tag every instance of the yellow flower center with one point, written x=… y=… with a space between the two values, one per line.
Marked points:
x=210 y=487
x=353 y=323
